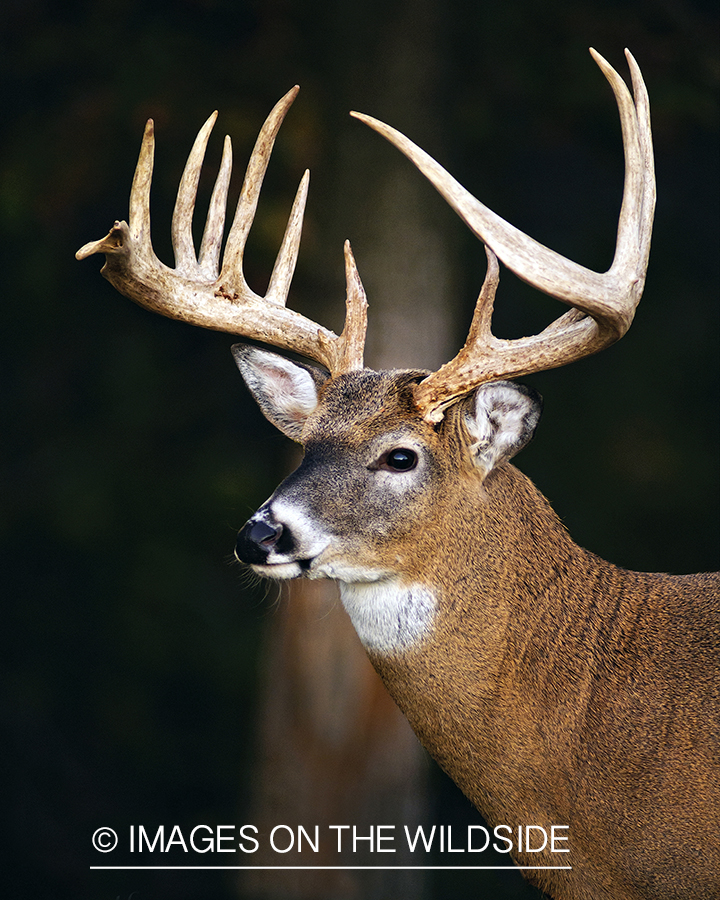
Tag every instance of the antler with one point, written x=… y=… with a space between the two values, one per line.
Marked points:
x=194 y=291
x=603 y=304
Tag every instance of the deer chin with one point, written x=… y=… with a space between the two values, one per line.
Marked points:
x=280 y=571
x=346 y=572
x=315 y=569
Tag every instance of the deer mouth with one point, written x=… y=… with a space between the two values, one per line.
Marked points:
x=278 y=571
x=285 y=571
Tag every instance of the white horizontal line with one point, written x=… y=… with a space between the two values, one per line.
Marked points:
x=344 y=868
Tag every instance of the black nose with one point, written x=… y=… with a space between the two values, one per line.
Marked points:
x=264 y=534
x=256 y=540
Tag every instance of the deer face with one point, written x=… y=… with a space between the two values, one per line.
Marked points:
x=376 y=475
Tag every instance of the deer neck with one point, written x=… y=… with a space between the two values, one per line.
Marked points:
x=477 y=569
x=477 y=645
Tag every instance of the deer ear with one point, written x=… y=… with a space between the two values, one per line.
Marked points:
x=286 y=392
x=501 y=421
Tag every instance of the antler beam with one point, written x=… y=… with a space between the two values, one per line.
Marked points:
x=603 y=304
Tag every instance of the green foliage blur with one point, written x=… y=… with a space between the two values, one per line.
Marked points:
x=130 y=451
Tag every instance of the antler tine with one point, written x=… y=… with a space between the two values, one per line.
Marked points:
x=352 y=339
x=139 y=213
x=284 y=267
x=182 y=238
x=133 y=238
x=193 y=292
x=635 y=224
x=603 y=304
x=232 y=267
x=209 y=257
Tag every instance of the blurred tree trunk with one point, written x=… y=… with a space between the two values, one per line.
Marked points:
x=334 y=748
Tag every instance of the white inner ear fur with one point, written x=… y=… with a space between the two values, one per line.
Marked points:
x=285 y=392
x=501 y=422
x=290 y=387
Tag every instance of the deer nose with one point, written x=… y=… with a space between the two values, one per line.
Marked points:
x=264 y=534
x=256 y=539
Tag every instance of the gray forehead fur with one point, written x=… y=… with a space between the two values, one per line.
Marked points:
x=365 y=397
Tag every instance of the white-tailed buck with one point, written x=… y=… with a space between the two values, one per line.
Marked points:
x=554 y=687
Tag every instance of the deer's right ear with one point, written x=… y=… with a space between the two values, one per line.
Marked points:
x=286 y=392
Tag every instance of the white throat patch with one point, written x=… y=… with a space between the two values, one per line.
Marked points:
x=389 y=617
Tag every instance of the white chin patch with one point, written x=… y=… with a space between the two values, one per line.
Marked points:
x=389 y=617
x=280 y=571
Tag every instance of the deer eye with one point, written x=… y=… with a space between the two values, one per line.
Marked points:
x=398 y=460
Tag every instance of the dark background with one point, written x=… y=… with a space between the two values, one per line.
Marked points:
x=130 y=451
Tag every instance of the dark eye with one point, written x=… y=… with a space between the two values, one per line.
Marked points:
x=399 y=460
